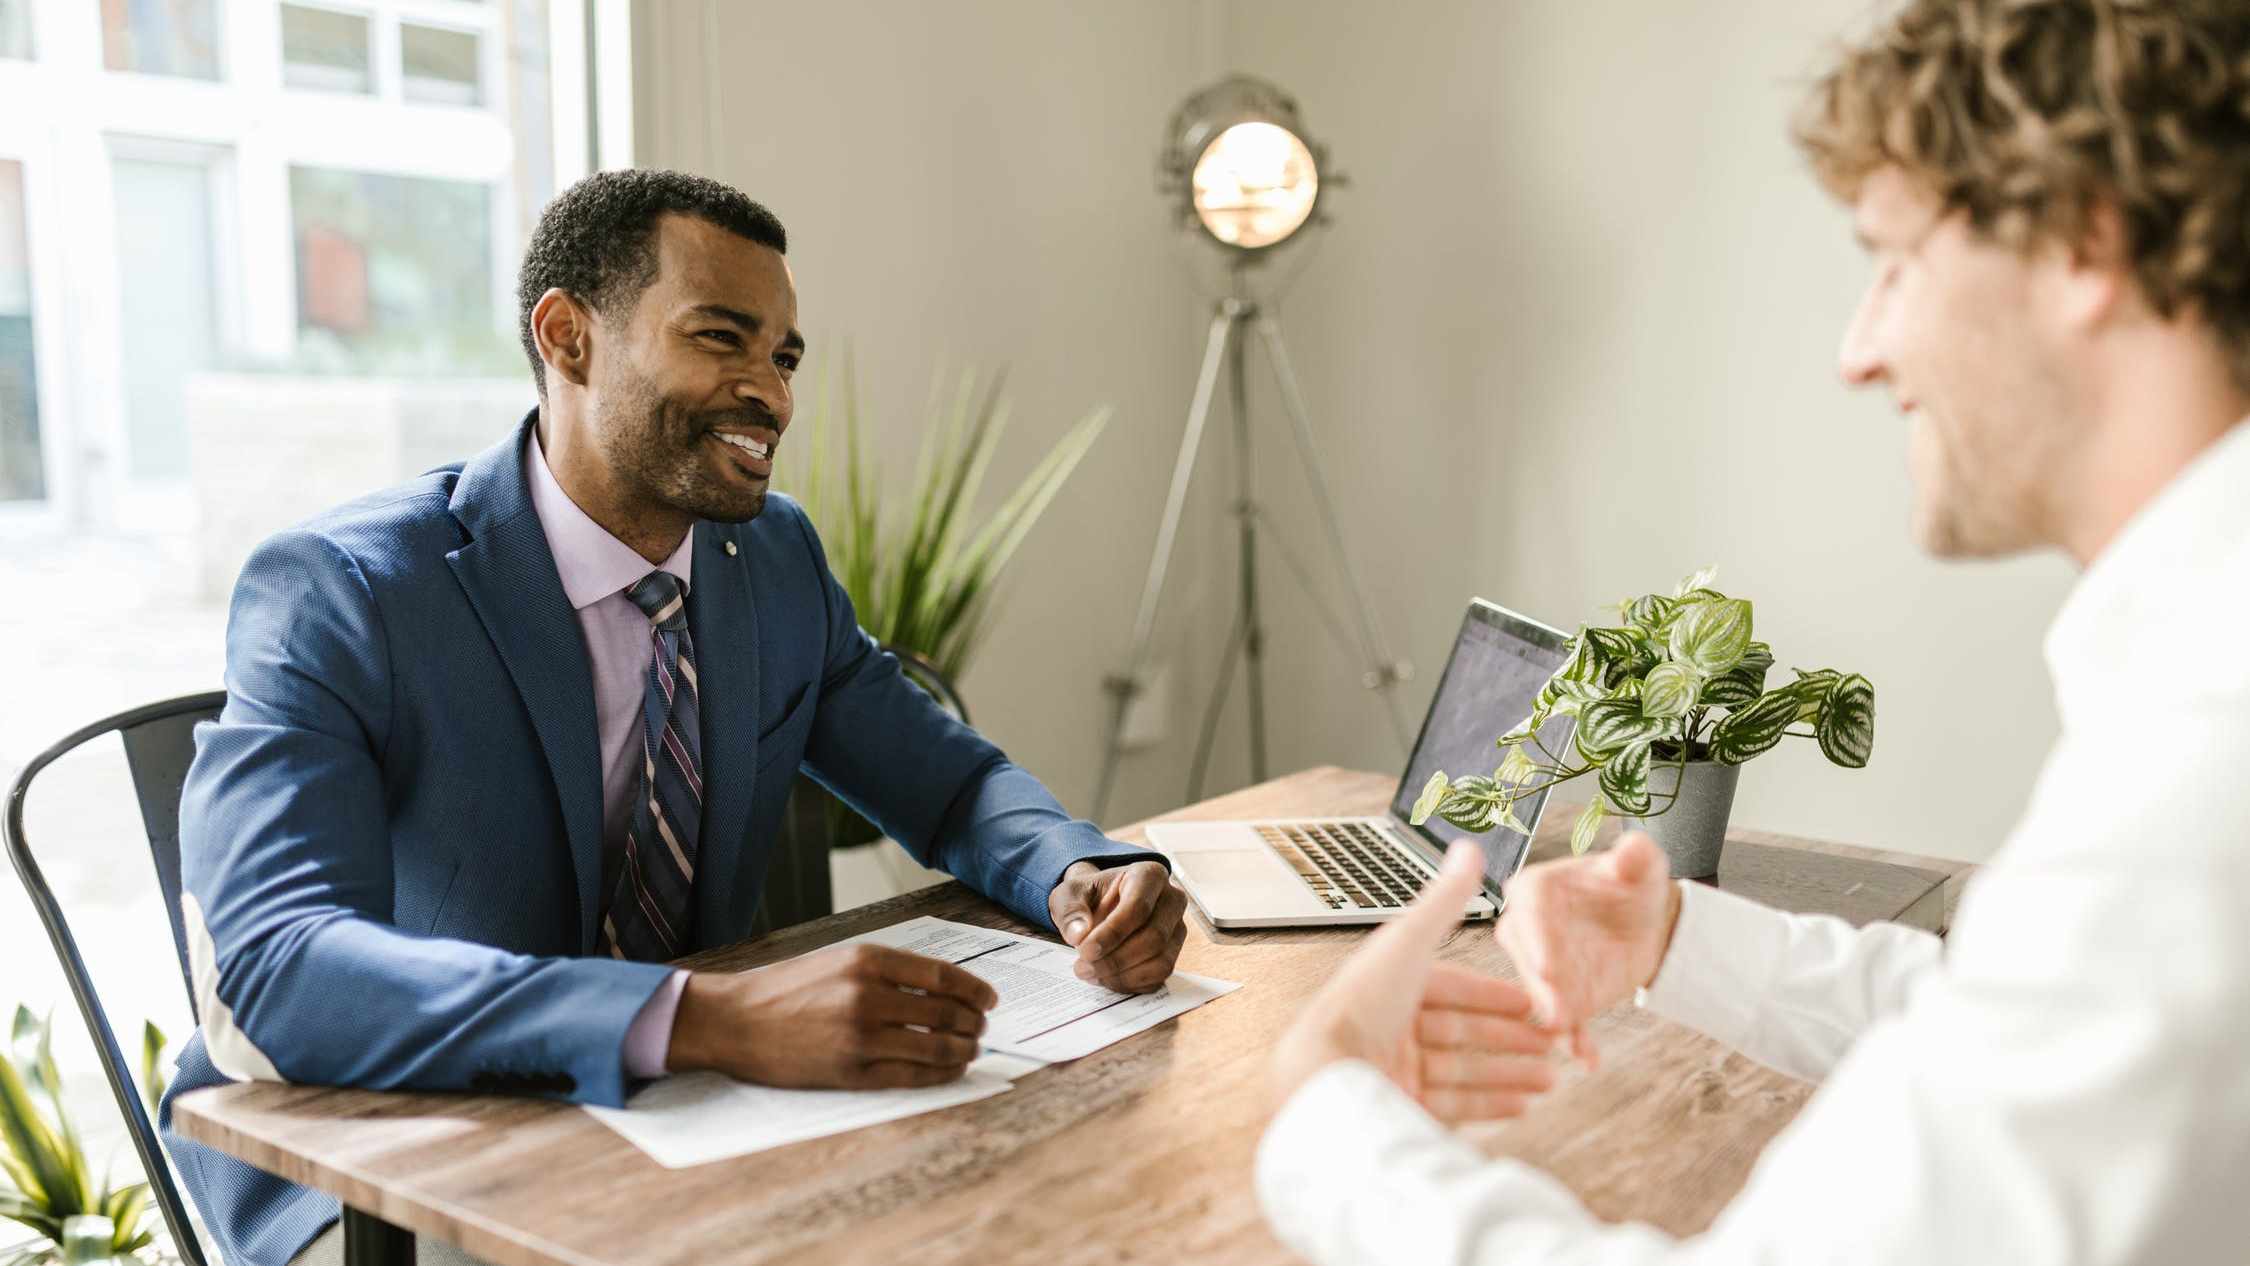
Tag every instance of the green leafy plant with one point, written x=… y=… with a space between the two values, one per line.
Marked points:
x=54 y=1192
x=924 y=579
x=1680 y=680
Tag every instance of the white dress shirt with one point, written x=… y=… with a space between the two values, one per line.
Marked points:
x=2066 y=1081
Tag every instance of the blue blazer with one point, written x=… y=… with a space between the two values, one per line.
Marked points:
x=391 y=840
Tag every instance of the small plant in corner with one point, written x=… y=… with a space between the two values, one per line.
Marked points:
x=50 y=1185
x=1680 y=681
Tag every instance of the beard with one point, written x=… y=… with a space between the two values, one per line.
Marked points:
x=659 y=446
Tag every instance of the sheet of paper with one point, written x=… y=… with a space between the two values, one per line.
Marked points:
x=696 y=1118
x=1046 y=1015
x=1046 y=1012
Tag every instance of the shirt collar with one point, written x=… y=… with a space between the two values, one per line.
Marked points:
x=592 y=562
x=2154 y=567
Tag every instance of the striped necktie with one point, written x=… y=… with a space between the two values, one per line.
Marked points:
x=651 y=915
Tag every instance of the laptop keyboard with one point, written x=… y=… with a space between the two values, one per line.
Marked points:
x=1346 y=864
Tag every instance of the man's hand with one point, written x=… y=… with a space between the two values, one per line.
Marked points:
x=1462 y=1043
x=1128 y=923
x=1585 y=932
x=853 y=1017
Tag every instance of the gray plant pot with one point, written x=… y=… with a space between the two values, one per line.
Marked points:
x=1693 y=831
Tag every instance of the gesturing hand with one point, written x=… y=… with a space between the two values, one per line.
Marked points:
x=856 y=1016
x=1585 y=932
x=1460 y=1042
x=1128 y=923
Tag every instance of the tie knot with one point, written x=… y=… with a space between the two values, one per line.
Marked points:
x=659 y=598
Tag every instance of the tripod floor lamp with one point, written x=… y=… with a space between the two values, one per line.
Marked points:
x=1243 y=173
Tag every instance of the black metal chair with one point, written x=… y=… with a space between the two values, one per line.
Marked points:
x=159 y=743
x=924 y=672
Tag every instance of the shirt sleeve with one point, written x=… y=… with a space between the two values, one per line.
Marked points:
x=2066 y=1088
x=648 y=1042
x=1789 y=991
x=1352 y=1172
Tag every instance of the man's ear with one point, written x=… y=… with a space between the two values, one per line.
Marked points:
x=563 y=328
x=2097 y=272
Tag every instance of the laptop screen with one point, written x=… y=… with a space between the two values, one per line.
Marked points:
x=1499 y=663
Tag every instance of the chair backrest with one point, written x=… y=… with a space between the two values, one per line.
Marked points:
x=924 y=672
x=159 y=742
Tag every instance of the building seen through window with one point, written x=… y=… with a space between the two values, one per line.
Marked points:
x=271 y=187
x=323 y=48
x=441 y=65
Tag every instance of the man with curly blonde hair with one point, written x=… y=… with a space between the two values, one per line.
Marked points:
x=2055 y=195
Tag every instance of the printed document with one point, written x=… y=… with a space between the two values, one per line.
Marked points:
x=1046 y=1015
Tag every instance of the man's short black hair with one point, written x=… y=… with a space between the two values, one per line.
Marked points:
x=597 y=240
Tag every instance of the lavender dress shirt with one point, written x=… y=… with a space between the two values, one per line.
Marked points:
x=597 y=569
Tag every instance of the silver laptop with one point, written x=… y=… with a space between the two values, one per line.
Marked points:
x=1365 y=870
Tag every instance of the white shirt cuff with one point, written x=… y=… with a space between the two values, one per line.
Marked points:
x=1352 y=1170
x=1725 y=949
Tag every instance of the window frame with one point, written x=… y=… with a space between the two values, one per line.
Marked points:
x=374 y=47
x=224 y=65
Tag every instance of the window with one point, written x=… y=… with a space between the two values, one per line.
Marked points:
x=394 y=273
x=168 y=305
x=162 y=37
x=440 y=65
x=283 y=188
x=15 y=28
x=22 y=476
x=325 y=49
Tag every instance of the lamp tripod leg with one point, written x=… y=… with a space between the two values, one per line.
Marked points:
x=1201 y=766
x=1225 y=332
x=1246 y=511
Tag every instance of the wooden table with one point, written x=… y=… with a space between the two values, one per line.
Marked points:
x=1141 y=1152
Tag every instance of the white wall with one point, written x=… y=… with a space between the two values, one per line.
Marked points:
x=1572 y=335
x=1582 y=260
x=974 y=182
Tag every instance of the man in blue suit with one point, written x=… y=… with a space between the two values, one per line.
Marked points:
x=501 y=740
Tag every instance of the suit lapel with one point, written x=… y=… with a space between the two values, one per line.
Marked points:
x=509 y=576
x=723 y=620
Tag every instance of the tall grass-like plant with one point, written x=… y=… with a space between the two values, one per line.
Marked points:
x=54 y=1192
x=923 y=570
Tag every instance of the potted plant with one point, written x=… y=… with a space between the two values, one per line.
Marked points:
x=53 y=1191
x=1662 y=710
x=923 y=579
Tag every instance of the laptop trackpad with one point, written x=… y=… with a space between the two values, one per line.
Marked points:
x=1234 y=866
x=1248 y=883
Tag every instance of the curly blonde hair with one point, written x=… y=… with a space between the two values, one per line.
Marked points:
x=2027 y=115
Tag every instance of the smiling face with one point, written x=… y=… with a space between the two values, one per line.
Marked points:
x=693 y=394
x=1972 y=339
